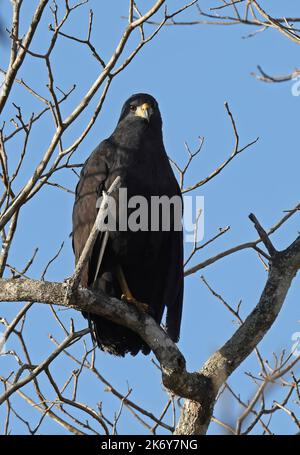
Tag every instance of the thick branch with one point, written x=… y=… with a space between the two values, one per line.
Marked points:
x=175 y=376
x=283 y=268
x=200 y=388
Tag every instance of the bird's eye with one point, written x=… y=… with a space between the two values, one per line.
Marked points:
x=132 y=107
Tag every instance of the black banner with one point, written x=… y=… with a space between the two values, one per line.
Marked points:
x=140 y=444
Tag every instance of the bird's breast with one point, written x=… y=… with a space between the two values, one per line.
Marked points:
x=143 y=170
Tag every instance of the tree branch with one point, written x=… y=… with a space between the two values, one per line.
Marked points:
x=200 y=388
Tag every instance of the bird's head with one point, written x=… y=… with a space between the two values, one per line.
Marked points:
x=144 y=107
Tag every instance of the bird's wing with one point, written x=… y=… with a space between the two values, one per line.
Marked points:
x=90 y=186
x=173 y=294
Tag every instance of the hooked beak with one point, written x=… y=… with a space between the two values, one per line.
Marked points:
x=145 y=111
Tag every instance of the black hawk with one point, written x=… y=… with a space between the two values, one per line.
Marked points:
x=144 y=265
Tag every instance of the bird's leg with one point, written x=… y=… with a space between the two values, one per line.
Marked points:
x=126 y=293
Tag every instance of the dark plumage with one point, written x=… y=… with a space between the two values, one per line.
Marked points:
x=152 y=262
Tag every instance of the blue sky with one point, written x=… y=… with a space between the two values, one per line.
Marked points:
x=191 y=71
